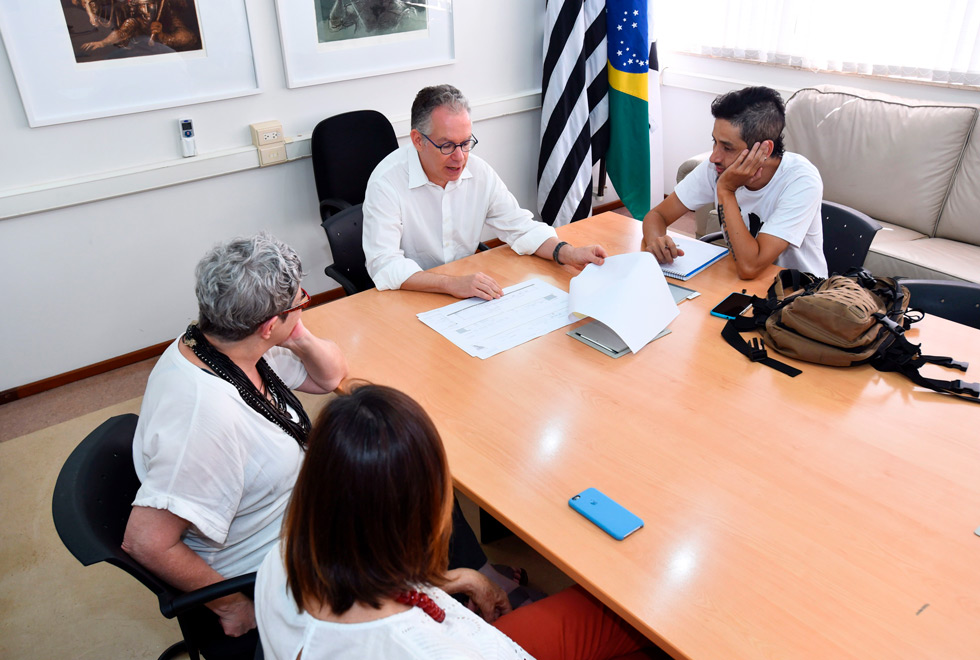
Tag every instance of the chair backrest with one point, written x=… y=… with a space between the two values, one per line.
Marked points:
x=345 y=149
x=949 y=299
x=91 y=504
x=847 y=236
x=93 y=497
x=344 y=233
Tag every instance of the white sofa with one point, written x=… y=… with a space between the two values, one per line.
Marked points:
x=914 y=166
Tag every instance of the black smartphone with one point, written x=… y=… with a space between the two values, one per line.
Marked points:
x=734 y=305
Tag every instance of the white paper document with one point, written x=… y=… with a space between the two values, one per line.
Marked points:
x=628 y=293
x=484 y=328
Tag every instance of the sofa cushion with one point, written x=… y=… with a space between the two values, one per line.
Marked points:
x=926 y=258
x=890 y=233
x=960 y=220
x=891 y=158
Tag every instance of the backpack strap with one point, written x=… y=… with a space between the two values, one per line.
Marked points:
x=902 y=356
x=789 y=280
x=756 y=351
x=788 y=285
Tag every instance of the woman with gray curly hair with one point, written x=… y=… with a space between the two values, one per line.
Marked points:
x=221 y=436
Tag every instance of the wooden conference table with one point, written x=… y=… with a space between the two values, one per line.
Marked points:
x=827 y=515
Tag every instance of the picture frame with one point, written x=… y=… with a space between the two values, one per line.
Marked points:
x=57 y=85
x=361 y=45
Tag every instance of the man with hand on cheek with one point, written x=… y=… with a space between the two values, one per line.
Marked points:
x=426 y=204
x=768 y=200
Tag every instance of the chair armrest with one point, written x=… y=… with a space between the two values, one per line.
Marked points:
x=349 y=288
x=332 y=205
x=192 y=599
x=712 y=237
x=482 y=247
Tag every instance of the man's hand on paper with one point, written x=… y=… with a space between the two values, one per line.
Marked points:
x=580 y=257
x=477 y=285
x=664 y=249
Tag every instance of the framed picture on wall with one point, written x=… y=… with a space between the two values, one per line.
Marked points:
x=83 y=59
x=328 y=40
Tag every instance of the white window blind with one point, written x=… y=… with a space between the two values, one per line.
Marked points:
x=936 y=40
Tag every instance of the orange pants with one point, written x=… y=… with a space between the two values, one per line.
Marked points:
x=573 y=625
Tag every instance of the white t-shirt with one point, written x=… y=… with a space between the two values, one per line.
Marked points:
x=788 y=207
x=410 y=635
x=203 y=454
x=411 y=224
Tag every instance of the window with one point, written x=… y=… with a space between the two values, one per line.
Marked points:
x=938 y=40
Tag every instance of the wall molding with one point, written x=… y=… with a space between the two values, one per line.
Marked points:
x=711 y=84
x=23 y=391
x=53 y=195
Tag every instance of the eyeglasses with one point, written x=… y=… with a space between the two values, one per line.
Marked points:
x=302 y=303
x=448 y=148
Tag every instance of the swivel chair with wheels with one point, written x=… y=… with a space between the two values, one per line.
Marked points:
x=345 y=149
x=91 y=505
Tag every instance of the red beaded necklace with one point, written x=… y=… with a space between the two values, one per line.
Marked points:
x=423 y=602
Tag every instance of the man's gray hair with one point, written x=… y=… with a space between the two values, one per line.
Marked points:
x=430 y=98
x=244 y=282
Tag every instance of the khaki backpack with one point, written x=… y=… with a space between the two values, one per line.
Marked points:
x=841 y=321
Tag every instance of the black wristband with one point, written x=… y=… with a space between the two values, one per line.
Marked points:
x=554 y=255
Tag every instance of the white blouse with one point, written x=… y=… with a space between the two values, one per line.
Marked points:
x=203 y=454
x=410 y=635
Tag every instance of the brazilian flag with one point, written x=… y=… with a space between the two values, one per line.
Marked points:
x=628 y=158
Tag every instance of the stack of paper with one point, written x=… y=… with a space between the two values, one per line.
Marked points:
x=484 y=328
x=628 y=293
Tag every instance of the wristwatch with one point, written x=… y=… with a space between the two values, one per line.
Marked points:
x=558 y=248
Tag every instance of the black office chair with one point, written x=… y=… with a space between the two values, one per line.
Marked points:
x=847 y=236
x=345 y=149
x=344 y=233
x=949 y=299
x=91 y=505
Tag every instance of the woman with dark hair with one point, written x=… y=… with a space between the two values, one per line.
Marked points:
x=361 y=568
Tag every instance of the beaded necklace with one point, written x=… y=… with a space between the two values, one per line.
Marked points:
x=420 y=600
x=273 y=407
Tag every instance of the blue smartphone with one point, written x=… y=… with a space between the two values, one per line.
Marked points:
x=606 y=513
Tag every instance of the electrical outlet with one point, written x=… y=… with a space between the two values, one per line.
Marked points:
x=266 y=133
x=272 y=154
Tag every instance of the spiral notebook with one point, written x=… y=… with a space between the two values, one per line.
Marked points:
x=697 y=257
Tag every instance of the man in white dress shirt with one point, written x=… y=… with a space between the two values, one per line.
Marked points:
x=427 y=202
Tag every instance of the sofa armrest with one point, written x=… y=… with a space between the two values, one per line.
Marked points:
x=690 y=164
x=704 y=223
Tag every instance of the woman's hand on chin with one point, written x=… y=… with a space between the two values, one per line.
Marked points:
x=296 y=337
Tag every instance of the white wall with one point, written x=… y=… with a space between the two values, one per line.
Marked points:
x=91 y=281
